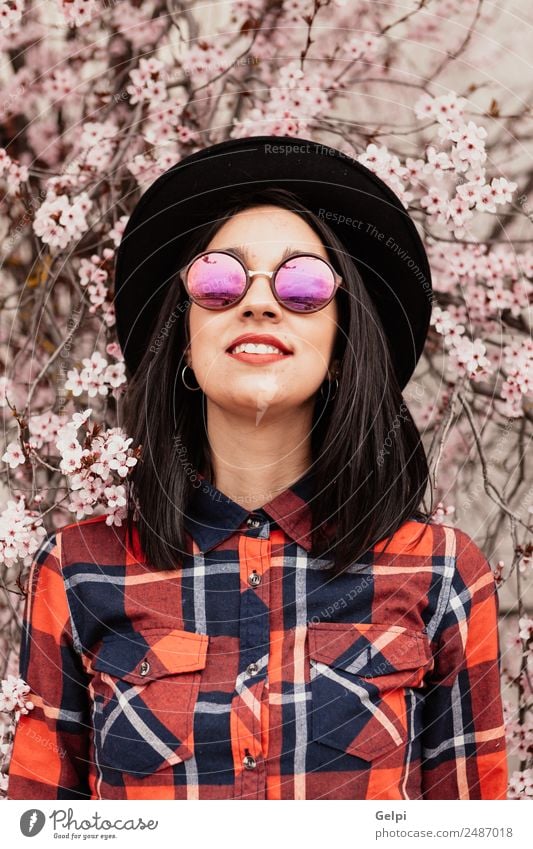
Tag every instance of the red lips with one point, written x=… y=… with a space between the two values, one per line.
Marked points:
x=257 y=339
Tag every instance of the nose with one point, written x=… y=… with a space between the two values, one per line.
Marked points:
x=259 y=298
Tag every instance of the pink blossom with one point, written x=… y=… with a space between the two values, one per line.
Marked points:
x=290 y=75
x=521 y=784
x=414 y=170
x=14 y=455
x=436 y=200
x=440 y=513
x=79 y=12
x=438 y=162
x=470 y=192
x=113 y=349
x=11 y=14
x=458 y=213
x=74 y=382
x=525 y=625
x=79 y=419
x=116 y=232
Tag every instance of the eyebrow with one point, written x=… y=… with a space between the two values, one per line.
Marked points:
x=242 y=250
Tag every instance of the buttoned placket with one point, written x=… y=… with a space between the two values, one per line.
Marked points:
x=250 y=702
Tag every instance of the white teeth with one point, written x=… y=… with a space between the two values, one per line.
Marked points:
x=251 y=348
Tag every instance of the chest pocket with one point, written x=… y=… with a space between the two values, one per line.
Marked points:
x=145 y=686
x=359 y=673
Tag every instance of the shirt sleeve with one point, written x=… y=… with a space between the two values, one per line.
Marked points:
x=463 y=740
x=50 y=747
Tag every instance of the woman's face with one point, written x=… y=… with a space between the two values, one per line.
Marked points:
x=291 y=381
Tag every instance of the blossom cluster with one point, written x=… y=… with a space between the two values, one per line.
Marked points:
x=60 y=220
x=518 y=368
x=148 y=84
x=96 y=377
x=294 y=102
x=21 y=532
x=12 y=172
x=94 y=276
x=495 y=280
x=13 y=694
x=11 y=14
x=467 y=356
x=95 y=469
x=462 y=154
x=92 y=468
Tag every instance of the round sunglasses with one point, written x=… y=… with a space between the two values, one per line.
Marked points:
x=218 y=279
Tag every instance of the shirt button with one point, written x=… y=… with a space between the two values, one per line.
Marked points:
x=144 y=668
x=249 y=762
x=252 y=669
x=254 y=579
x=252 y=523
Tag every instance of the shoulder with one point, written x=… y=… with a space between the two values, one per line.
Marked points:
x=463 y=565
x=93 y=541
x=451 y=551
x=472 y=567
x=418 y=537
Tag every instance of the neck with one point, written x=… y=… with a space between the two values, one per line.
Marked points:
x=255 y=462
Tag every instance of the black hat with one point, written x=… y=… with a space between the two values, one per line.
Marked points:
x=366 y=215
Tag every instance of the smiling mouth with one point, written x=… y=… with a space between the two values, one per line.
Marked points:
x=257 y=349
x=257 y=354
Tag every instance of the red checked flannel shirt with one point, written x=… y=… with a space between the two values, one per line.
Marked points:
x=250 y=674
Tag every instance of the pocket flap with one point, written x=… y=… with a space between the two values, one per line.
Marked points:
x=368 y=649
x=143 y=656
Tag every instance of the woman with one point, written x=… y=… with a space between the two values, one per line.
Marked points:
x=278 y=619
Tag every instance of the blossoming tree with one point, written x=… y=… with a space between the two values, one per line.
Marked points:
x=99 y=98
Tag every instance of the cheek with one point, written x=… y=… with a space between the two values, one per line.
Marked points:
x=319 y=336
x=203 y=334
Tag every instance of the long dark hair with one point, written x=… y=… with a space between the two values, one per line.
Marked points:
x=369 y=464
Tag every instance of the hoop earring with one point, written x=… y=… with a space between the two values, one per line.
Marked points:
x=329 y=397
x=190 y=388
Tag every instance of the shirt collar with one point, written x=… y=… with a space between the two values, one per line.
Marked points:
x=212 y=516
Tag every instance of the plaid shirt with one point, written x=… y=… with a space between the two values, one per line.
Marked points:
x=250 y=673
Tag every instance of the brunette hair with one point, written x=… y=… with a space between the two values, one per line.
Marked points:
x=371 y=471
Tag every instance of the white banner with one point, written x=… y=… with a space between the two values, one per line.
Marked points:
x=264 y=824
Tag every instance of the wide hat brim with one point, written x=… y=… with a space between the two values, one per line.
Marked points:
x=366 y=215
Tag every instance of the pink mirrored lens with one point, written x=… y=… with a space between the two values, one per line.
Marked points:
x=216 y=280
x=305 y=283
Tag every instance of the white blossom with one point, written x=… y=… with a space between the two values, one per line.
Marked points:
x=14 y=455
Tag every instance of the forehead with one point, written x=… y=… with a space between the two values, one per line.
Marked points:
x=267 y=231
